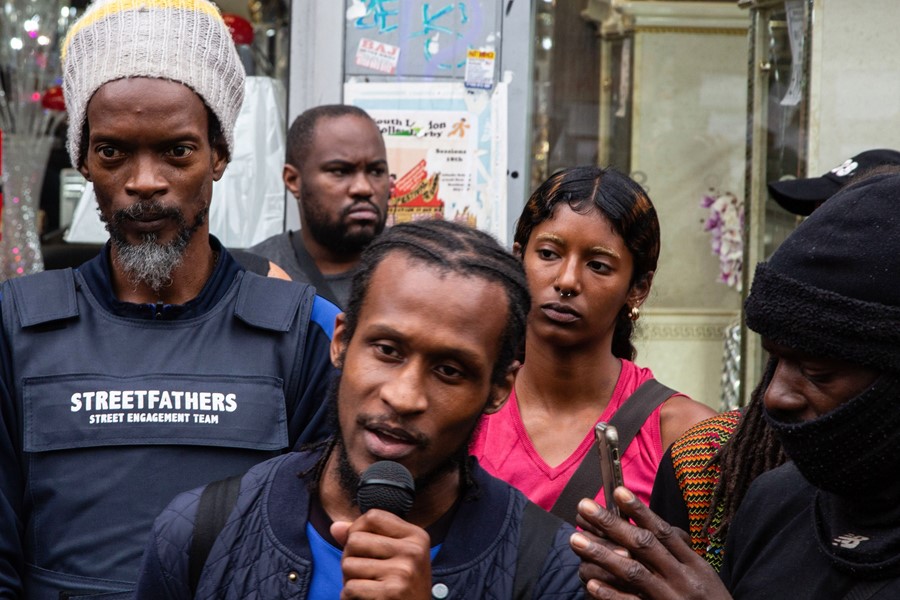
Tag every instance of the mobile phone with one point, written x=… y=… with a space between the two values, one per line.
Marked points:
x=610 y=462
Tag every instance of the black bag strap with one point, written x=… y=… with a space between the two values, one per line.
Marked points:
x=216 y=503
x=536 y=536
x=635 y=411
x=628 y=420
x=308 y=265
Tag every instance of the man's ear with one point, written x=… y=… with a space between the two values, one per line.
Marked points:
x=500 y=391
x=82 y=168
x=220 y=160
x=337 y=345
x=291 y=177
x=517 y=249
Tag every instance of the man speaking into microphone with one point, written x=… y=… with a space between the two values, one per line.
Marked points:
x=428 y=344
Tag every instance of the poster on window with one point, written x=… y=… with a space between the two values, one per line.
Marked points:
x=446 y=150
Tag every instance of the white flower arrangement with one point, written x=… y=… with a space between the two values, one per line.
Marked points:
x=725 y=224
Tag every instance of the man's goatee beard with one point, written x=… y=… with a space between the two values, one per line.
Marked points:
x=149 y=262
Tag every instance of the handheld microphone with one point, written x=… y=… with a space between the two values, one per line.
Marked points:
x=386 y=485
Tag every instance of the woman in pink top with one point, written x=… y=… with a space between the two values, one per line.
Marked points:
x=589 y=239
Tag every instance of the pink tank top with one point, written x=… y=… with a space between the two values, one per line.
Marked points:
x=503 y=448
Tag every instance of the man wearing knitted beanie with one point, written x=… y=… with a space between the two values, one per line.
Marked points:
x=161 y=364
x=827 y=523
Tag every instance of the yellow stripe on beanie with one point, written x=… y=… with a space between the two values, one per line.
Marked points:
x=101 y=10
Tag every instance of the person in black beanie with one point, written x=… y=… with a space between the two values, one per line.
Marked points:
x=705 y=475
x=827 y=523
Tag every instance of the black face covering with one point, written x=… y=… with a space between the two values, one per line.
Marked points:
x=854 y=450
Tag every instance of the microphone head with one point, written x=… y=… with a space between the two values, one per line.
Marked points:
x=386 y=485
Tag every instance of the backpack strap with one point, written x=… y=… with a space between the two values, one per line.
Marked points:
x=628 y=420
x=537 y=532
x=216 y=503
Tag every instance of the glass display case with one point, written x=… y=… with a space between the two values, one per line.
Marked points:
x=566 y=52
x=778 y=113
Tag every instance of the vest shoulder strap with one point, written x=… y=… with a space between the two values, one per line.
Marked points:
x=270 y=303
x=44 y=297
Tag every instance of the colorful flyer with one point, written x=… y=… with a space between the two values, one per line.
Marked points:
x=446 y=149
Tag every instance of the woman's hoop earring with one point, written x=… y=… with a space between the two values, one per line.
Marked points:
x=635 y=313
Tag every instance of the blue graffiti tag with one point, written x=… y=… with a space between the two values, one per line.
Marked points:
x=463 y=22
x=379 y=14
x=429 y=25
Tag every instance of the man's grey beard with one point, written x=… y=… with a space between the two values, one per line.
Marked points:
x=149 y=262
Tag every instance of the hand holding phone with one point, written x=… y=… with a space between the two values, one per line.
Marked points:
x=610 y=462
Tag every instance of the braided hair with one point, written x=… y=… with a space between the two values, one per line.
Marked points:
x=451 y=248
x=623 y=203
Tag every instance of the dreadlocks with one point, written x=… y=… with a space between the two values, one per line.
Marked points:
x=751 y=450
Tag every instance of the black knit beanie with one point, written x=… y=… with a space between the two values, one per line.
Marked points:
x=833 y=287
